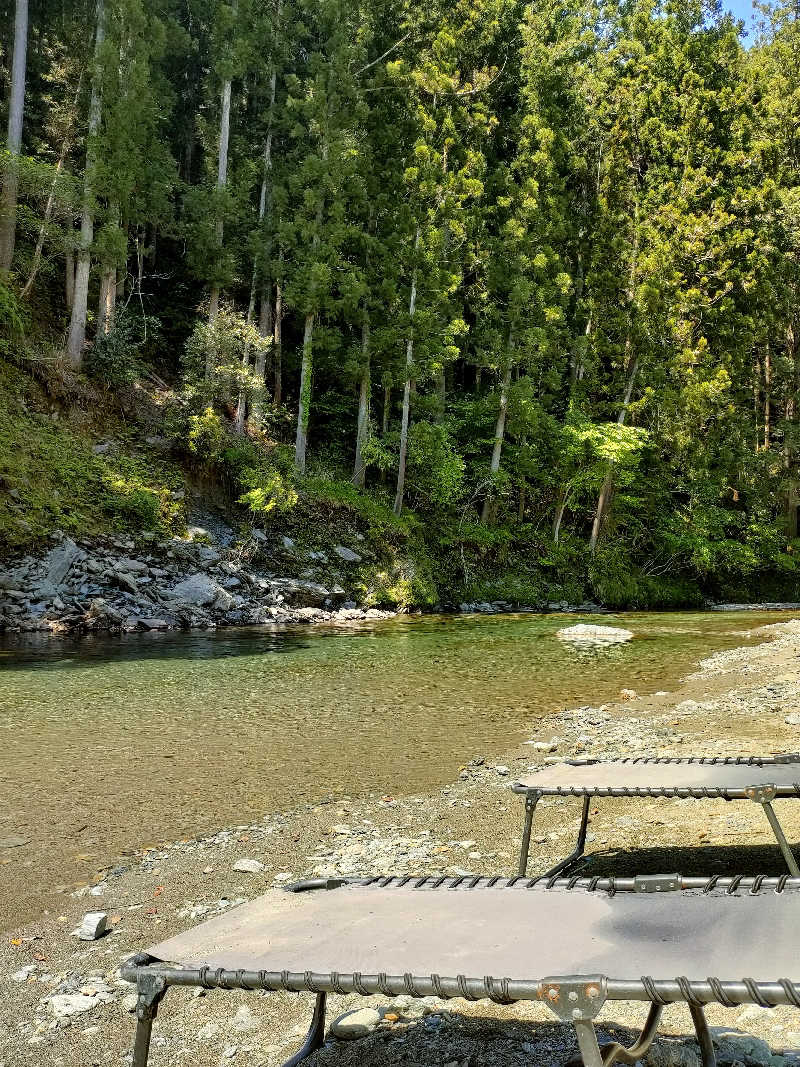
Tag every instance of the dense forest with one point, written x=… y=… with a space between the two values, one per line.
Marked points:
x=516 y=280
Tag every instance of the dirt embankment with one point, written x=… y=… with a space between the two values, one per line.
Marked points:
x=65 y=1005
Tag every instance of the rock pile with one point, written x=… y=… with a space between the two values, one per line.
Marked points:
x=117 y=584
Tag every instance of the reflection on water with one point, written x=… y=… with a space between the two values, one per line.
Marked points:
x=112 y=743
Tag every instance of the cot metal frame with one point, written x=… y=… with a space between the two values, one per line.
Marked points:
x=763 y=794
x=574 y=999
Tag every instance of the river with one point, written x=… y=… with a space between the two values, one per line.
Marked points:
x=110 y=744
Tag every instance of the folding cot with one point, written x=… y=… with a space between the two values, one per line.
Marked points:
x=571 y=943
x=758 y=779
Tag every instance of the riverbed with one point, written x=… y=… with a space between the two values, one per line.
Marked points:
x=111 y=744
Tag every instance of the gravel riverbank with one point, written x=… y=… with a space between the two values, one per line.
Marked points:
x=64 y=1004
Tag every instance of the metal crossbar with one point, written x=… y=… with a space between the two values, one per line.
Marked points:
x=761 y=793
x=575 y=999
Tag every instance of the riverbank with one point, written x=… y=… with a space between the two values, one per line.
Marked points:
x=738 y=703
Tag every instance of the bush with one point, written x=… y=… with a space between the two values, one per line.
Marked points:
x=115 y=358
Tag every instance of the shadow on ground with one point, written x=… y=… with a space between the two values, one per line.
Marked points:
x=446 y=1040
x=695 y=860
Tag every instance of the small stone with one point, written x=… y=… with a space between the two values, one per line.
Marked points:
x=793 y=719
x=66 y=1004
x=356 y=1023
x=24 y=973
x=249 y=866
x=347 y=554
x=244 y=1021
x=129 y=1001
x=14 y=841
x=93 y=925
x=502 y=771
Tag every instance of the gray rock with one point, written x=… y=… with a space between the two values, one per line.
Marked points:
x=126 y=581
x=64 y=1005
x=249 y=866
x=93 y=925
x=59 y=561
x=356 y=1023
x=197 y=589
x=736 y=1046
x=347 y=554
x=131 y=566
x=14 y=841
x=153 y=624
x=585 y=634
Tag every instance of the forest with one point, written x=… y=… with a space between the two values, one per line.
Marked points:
x=517 y=281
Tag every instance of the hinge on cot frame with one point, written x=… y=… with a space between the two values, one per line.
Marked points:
x=656 y=883
x=574 y=999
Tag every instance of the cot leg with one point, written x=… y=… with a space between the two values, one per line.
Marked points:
x=703 y=1036
x=780 y=837
x=151 y=991
x=614 y=1052
x=531 y=800
x=316 y=1033
x=587 y=1043
x=580 y=845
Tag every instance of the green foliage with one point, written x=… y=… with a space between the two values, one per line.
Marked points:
x=115 y=358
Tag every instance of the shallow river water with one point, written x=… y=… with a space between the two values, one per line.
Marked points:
x=110 y=744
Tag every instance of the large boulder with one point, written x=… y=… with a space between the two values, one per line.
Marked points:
x=197 y=589
x=586 y=635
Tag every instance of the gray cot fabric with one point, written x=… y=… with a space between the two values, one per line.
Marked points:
x=512 y=933
x=624 y=774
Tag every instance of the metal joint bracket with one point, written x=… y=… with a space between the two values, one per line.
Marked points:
x=656 y=883
x=151 y=988
x=532 y=798
x=574 y=999
x=761 y=794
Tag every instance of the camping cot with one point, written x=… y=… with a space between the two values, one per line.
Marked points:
x=760 y=779
x=573 y=944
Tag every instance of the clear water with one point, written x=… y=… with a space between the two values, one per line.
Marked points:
x=108 y=744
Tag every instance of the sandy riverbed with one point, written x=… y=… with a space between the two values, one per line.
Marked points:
x=736 y=704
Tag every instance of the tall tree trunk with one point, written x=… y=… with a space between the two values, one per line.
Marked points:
x=385 y=413
x=561 y=507
x=500 y=429
x=767 y=396
x=277 y=345
x=222 y=181
x=77 y=324
x=301 y=439
x=66 y=144
x=264 y=204
x=359 y=470
x=608 y=481
x=789 y=458
x=108 y=300
x=304 y=402
x=631 y=365
x=16 y=109
x=412 y=306
x=265 y=329
x=69 y=277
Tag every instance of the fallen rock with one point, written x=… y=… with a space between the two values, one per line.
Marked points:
x=59 y=561
x=14 y=841
x=65 y=1004
x=347 y=554
x=93 y=925
x=590 y=636
x=356 y=1023
x=197 y=589
x=249 y=866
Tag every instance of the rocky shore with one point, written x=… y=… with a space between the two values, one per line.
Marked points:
x=65 y=1005
x=116 y=584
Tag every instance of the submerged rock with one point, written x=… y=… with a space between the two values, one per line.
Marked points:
x=590 y=636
